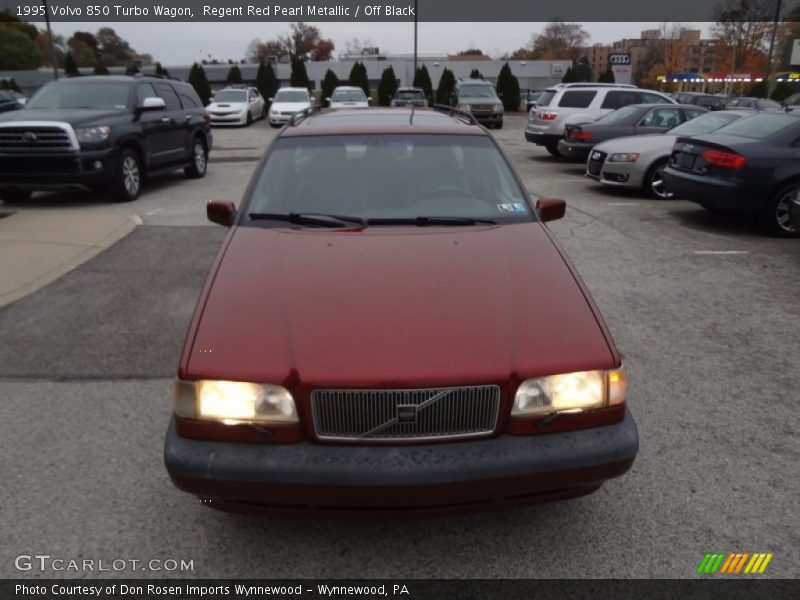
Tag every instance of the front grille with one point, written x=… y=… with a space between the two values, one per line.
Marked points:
x=288 y=113
x=482 y=107
x=405 y=414
x=34 y=138
x=596 y=160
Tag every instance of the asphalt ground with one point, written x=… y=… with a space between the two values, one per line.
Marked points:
x=710 y=342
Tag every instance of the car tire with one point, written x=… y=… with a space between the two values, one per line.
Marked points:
x=199 y=165
x=553 y=149
x=249 y=118
x=776 y=215
x=654 y=182
x=15 y=196
x=499 y=125
x=127 y=183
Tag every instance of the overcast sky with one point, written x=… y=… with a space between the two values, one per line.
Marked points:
x=184 y=43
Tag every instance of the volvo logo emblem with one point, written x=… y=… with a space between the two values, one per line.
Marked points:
x=406 y=413
x=29 y=137
x=619 y=59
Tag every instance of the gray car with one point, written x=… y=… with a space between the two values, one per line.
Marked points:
x=635 y=119
x=478 y=97
x=637 y=162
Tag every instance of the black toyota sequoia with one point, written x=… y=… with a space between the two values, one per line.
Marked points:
x=103 y=133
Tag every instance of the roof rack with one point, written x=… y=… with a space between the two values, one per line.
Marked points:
x=454 y=112
x=590 y=84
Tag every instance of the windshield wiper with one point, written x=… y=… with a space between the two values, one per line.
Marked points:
x=426 y=221
x=318 y=219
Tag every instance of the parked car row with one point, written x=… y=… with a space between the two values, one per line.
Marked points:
x=744 y=160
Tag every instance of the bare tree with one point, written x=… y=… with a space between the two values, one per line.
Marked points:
x=355 y=46
x=560 y=40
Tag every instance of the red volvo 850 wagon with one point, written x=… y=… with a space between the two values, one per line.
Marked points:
x=389 y=325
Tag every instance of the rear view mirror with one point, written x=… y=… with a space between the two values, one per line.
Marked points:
x=222 y=213
x=551 y=209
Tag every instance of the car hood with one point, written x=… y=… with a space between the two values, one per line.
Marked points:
x=638 y=143
x=393 y=307
x=73 y=116
x=289 y=106
x=229 y=106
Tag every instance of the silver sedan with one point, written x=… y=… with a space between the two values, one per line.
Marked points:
x=637 y=162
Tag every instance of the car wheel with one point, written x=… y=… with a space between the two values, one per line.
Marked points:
x=654 y=182
x=128 y=181
x=15 y=196
x=553 y=149
x=499 y=125
x=249 y=118
x=776 y=217
x=199 y=165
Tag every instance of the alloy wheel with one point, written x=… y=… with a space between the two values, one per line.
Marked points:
x=130 y=176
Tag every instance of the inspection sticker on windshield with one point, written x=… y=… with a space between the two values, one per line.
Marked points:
x=515 y=207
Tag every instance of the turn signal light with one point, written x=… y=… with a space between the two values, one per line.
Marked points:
x=724 y=160
x=548 y=116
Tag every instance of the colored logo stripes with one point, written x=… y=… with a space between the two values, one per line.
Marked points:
x=734 y=563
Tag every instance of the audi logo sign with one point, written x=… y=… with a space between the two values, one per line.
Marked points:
x=619 y=59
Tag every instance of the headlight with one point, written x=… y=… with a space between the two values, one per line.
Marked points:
x=629 y=157
x=497 y=107
x=92 y=135
x=464 y=108
x=234 y=402
x=569 y=392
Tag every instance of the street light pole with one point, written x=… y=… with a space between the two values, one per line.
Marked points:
x=770 y=83
x=50 y=38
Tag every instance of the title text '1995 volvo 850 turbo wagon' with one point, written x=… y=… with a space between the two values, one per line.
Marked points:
x=390 y=326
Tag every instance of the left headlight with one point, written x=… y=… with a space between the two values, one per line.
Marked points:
x=497 y=107
x=628 y=157
x=234 y=402
x=92 y=135
x=464 y=108
x=569 y=392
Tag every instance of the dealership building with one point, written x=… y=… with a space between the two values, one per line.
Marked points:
x=532 y=74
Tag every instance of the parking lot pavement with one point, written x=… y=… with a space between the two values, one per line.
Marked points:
x=709 y=340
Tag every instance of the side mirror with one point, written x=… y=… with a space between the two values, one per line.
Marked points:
x=499 y=94
x=153 y=104
x=551 y=209
x=222 y=213
x=369 y=100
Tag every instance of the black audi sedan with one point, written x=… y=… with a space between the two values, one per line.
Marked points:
x=634 y=119
x=751 y=166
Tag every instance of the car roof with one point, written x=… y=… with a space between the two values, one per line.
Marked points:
x=347 y=87
x=292 y=89
x=383 y=121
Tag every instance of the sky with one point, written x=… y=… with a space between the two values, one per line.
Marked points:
x=185 y=43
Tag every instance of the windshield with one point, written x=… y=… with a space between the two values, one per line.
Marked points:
x=766 y=104
x=291 y=96
x=389 y=176
x=476 y=91
x=703 y=124
x=760 y=126
x=618 y=115
x=100 y=95
x=409 y=95
x=348 y=96
x=231 y=96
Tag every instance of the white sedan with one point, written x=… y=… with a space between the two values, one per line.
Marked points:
x=236 y=106
x=287 y=103
x=346 y=96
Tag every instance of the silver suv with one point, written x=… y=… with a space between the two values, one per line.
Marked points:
x=479 y=97
x=570 y=103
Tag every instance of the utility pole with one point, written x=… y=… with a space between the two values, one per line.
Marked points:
x=50 y=38
x=415 y=38
x=768 y=70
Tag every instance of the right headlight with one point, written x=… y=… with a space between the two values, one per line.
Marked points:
x=569 y=392
x=234 y=402
x=628 y=157
x=464 y=108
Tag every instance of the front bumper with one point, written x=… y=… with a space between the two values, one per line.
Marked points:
x=74 y=170
x=229 y=119
x=279 y=119
x=540 y=138
x=712 y=192
x=488 y=118
x=430 y=477
x=574 y=150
